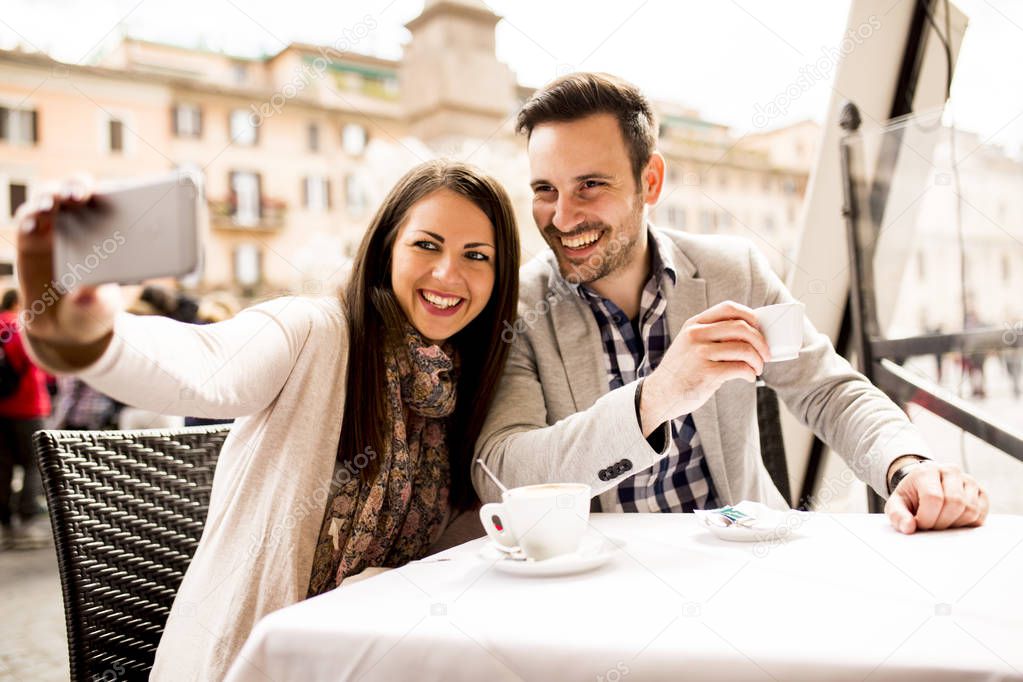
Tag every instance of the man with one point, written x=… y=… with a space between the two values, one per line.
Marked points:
x=22 y=410
x=634 y=360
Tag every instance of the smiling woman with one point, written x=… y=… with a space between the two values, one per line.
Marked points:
x=443 y=266
x=356 y=414
x=444 y=232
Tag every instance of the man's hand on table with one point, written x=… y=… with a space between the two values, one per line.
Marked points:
x=935 y=496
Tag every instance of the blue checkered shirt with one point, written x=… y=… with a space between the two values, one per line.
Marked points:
x=681 y=481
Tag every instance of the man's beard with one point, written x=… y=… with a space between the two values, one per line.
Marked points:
x=616 y=250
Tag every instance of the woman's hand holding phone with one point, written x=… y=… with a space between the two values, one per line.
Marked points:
x=78 y=324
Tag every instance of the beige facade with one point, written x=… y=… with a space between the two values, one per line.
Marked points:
x=986 y=205
x=298 y=149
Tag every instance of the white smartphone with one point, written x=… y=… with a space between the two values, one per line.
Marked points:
x=130 y=231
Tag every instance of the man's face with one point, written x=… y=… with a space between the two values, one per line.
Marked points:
x=586 y=202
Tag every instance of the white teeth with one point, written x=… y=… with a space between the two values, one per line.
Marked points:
x=581 y=240
x=441 y=301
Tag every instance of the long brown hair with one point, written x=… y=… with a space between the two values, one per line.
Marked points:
x=373 y=315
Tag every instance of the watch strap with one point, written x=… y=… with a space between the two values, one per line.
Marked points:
x=901 y=473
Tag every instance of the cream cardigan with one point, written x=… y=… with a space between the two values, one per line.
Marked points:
x=279 y=368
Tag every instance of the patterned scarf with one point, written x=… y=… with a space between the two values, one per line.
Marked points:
x=395 y=518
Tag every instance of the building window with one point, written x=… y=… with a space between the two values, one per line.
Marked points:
x=115 y=135
x=17 y=193
x=243 y=130
x=355 y=195
x=677 y=217
x=352 y=81
x=19 y=126
x=316 y=193
x=248 y=266
x=725 y=220
x=1006 y=268
x=313 y=137
x=769 y=224
x=353 y=139
x=921 y=262
x=187 y=120
x=245 y=198
x=240 y=72
x=707 y=221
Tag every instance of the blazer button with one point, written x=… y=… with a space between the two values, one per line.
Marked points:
x=626 y=464
x=602 y=474
x=619 y=469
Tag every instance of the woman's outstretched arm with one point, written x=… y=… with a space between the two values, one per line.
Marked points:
x=230 y=369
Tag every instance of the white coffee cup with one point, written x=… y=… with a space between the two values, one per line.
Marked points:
x=544 y=520
x=782 y=326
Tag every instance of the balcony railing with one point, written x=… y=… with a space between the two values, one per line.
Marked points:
x=224 y=215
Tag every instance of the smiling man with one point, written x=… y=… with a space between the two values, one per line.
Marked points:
x=635 y=356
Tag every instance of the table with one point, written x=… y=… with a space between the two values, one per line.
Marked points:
x=845 y=597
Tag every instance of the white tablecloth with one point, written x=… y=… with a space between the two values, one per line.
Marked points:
x=846 y=598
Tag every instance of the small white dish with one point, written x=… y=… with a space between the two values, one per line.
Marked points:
x=594 y=551
x=768 y=525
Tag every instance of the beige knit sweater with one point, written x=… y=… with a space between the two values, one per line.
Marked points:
x=279 y=368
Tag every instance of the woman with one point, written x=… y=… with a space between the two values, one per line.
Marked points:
x=350 y=449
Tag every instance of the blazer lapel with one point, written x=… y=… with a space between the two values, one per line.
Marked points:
x=688 y=298
x=582 y=352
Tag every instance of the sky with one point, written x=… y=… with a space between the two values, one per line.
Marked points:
x=722 y=58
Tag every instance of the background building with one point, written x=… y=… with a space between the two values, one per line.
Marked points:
x=298 y=148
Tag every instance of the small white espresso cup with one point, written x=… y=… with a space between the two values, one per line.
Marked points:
x=782 y=326
x=544 y=520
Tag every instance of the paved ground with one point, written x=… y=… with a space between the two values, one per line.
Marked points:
x=32 y=643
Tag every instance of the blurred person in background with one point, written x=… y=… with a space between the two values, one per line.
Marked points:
x=155 y=300
x=24 y=405
x=169 y=303
x=80 y=407
x=973 y=363
x=217 y=306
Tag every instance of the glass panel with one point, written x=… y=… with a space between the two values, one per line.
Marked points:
x=247 y=265
x=242 y=129
x=947 y=212
x=17 y=194
x=246 y=192
x=116 y=136
x=353 y=139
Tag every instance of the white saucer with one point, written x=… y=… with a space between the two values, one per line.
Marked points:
x=594 y=550
x=772 y=525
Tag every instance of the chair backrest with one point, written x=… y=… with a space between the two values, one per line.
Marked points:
x=772 y=447
x=127 y=509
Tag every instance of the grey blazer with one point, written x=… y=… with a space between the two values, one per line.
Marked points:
x=555 y=420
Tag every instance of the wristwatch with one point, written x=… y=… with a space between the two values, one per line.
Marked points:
x=901 y=473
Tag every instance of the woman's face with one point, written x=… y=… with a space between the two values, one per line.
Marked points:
x=442 y=266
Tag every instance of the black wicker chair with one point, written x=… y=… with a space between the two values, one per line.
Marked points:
x=127 y=509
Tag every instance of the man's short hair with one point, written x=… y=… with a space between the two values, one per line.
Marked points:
x=583 y=94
